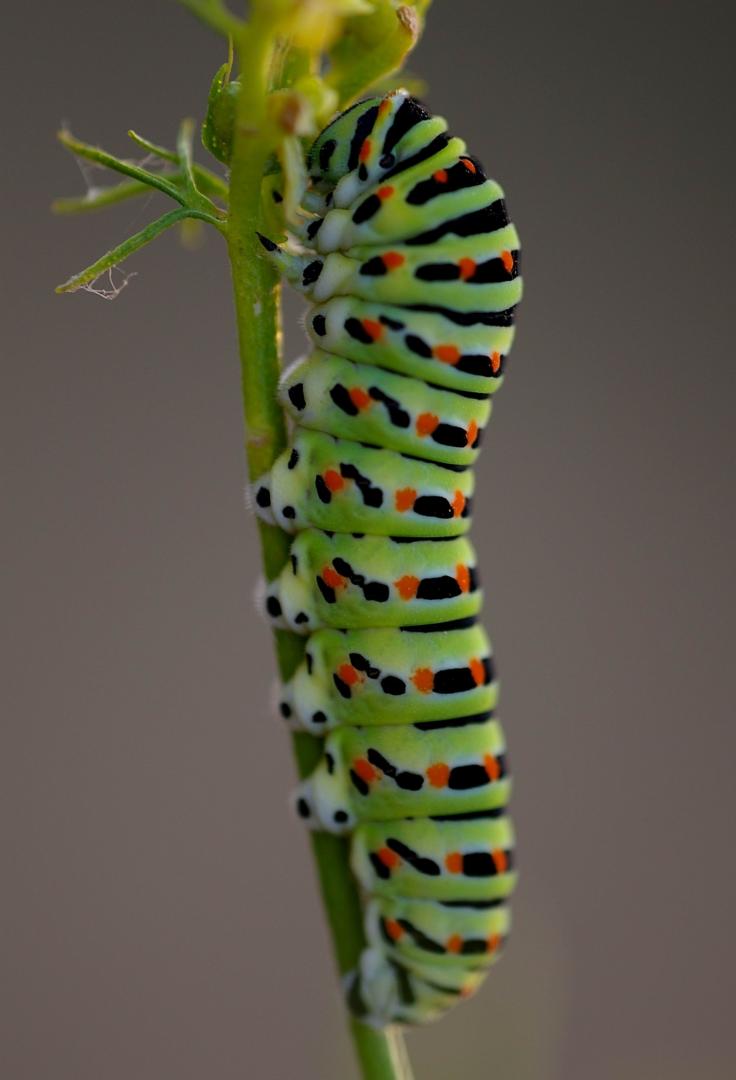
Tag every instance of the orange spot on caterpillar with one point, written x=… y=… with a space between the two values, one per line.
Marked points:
x=365 y=150
x=467 y=268
x=407 y=586
x=458 y=504
x=427 y=422
x=332 y=578
x=462 y=577
x=423 y=679
x=477 y=671
x=364 y=770
x=440 y=176
x=469 y=165
x=447 y=354
x=490 y=764
x=389 y=858
x=385 y=192
x=373 y=328
x=493 y=942
x=393 y=929
x=404 y=499
x=500 y=860
x=472 y=432
x=438 y=774
x=508 y=261
x=334 y=481
x=495 y=362
x=392 y=259
x=454 y=862
x=348 y=674
x=454 y=943
x=359 y=398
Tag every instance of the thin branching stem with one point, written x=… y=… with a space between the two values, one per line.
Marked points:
x=123 y=251
x=207 y=181
x=100 y=198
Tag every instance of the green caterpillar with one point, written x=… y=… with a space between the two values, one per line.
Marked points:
x=412 y=265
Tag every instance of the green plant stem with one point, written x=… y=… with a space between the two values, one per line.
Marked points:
x=99 y=198
x=380 y=1054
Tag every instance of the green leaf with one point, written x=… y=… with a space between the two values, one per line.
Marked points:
x=128 y=247
x=371 y=47
x=99 y=198
x=217 y=129
x=101 y=157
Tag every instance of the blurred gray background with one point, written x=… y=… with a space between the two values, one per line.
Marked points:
x=159 y=912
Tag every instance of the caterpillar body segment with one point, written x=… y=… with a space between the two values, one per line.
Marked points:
x=344 y=486
x=462 y=861
x=411 y=264
x=327 y=393
x=428 y=345
x=419 y=931
x=389 y=676
x=397 y=207
x=417 y=772
x=483 y=281
x=351 y=582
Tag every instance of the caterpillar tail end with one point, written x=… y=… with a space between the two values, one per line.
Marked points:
x=383 y=991
x=371 y=990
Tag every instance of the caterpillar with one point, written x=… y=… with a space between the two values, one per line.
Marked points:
x=411 y=265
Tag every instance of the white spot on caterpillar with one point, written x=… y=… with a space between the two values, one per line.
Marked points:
x=257 y=308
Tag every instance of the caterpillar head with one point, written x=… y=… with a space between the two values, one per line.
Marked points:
x=357 y=138
x=372 y=989
x=328 y=159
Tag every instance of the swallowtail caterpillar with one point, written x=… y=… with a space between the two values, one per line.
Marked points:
x=412 y=266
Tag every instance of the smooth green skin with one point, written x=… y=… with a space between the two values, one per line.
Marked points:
x=435 y=839
x=393 y=652
x=408 y=748
x=347 y=512
x=320 y=372
x=378 y=559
